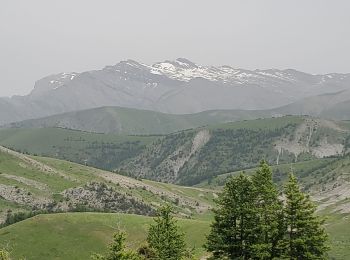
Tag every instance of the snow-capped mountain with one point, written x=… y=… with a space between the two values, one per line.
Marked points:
x=178 y=86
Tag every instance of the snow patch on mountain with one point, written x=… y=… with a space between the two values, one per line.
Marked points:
x=61 y=79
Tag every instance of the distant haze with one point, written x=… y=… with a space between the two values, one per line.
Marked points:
x=39 y=37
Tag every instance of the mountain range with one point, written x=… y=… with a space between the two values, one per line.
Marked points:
x=179 y=87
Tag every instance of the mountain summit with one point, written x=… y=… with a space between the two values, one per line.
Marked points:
x=179 y=86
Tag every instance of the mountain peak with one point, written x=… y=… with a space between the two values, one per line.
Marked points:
x=185 y=62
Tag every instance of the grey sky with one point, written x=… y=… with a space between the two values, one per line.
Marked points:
x=42 y=37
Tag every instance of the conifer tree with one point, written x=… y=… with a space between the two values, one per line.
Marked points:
x=233 y=230
x=306 y=237
x=164 y=236
x=270 y=219
x=4 y=255
x=117 y=250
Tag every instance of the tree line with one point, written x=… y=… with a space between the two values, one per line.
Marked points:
x=252 y=220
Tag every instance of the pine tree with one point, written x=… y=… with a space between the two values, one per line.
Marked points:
x=165 y=237
x=4 y=255
x=117 y=250
x=233 y=230
x=306 y=237
x=270 y=219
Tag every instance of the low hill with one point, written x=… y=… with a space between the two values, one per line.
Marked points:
x=105 y=151
x=137 y=122
x=30 y=183
x=78 y=235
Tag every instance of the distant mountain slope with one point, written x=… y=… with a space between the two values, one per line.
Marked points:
x=331 y=105
x=137 y=122
x=179 y=86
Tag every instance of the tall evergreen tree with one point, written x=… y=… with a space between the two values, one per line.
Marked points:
x=306 y=237
x=117 y=250
x=270 y=219
x=165 y=237
x=233 y=230
x=4 y=255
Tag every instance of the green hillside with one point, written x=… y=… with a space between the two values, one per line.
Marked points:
x=105 y=151
x=78 y=235
x=192 y=156
x=137 y=122
x=30 y=183
x=305 y=171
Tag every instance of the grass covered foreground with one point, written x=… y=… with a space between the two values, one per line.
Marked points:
x=78 y=235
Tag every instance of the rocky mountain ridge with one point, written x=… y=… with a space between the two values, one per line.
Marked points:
x=176 y=87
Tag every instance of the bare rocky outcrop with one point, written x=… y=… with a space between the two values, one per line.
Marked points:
x=23 y=197
x=165 y=158
x=99 y=196
x=301 y=140
x=178 y=158
x=183 y=200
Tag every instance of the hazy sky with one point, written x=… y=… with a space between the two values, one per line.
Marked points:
x=42 y=37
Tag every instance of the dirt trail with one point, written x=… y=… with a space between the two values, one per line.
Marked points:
x=26 y=181
x=39 y=165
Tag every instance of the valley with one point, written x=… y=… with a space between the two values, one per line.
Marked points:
x=174 y=130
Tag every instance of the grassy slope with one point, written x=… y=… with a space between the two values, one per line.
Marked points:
x=105 y=151
x=338 y=227
x=13 y=167
x=77 y=235
x=82 y=233
x=49 y=140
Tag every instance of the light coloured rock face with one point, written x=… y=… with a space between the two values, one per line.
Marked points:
x=334 y=193
x=174 y=152
x=325 y=149
x=301 y=141
x=23 y=197
x=178 y=158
